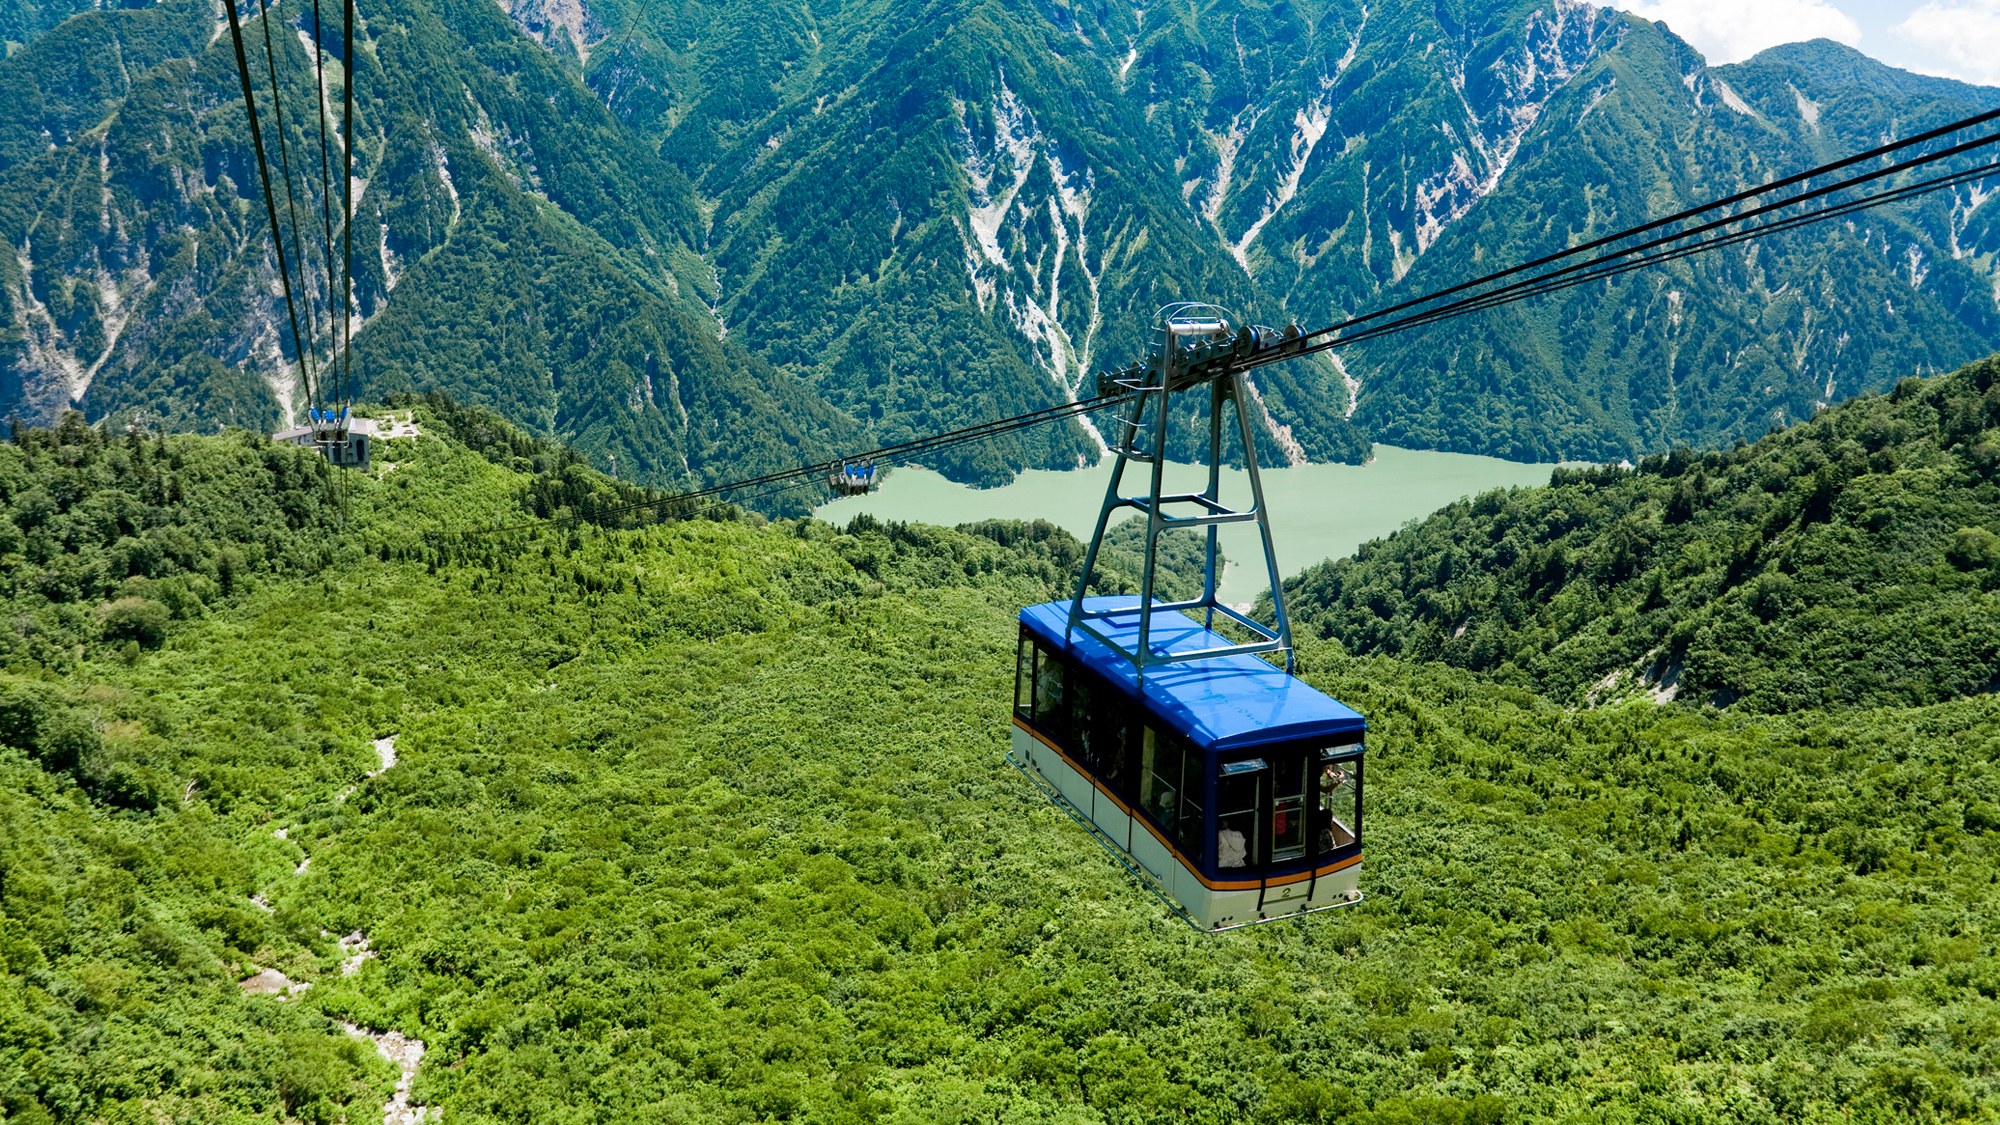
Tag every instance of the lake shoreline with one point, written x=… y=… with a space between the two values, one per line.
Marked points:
x=1317 y=511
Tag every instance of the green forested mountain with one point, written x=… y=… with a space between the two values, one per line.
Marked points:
x=1710 y=348
x=534 y=245
x=708 y=821
x=695 y=240
x=1339 y=156
x=1846 y=561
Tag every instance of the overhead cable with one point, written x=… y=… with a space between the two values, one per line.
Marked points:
x=1538 y=284
x=325 y=171
x=291 y=201
x=264 y=174
x=901 y=451
x=347 y=201
x=1612 y=263
x=1602 y=270
x=1679 y=216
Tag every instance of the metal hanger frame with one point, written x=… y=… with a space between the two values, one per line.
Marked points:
x=1156 y=385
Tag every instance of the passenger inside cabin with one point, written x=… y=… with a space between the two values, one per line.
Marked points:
x=1230 y=848
x=1336 y=799
x=1048 y=693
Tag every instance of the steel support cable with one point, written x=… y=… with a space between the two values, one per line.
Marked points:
x=347 y=200
x=1895 y=195
x=347 y=205
x=901 y=451
x=1726 y=201
x=325 y=168
x=264 y=174
x=1607 y=268
x=530 y=529
x=799 y=478
x=1611 y=265
x=1478 y=300
x=1605 y=265
x=291 y=201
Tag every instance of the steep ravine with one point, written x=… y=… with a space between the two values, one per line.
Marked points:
x=405 y=1053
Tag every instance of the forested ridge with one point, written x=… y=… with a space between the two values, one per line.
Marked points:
x=700 y=241
x=1846 y=561
x=707 y=820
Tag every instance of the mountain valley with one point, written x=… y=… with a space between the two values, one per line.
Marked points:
x=697 y=242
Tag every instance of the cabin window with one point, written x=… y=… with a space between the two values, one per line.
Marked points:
x=1024 y=679
x=1263 y=807
x=1100 y=717
x=1082 y=720
x=1239 y=803
x=1191 y=823
x=1160 y=779
x=1339 y=786
x=1170 y=789
x=1050 y=695
x=1288 y=807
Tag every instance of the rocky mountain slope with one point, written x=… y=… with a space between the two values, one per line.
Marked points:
x=706 y=237
x=512 y=244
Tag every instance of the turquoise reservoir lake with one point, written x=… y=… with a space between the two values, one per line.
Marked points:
x=1317 y=511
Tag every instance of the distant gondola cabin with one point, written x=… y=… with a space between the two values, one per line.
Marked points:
x=1231 y=786
x=852 y=480
x=340 y=439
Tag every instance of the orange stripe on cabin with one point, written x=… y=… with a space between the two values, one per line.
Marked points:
x=1141 y=821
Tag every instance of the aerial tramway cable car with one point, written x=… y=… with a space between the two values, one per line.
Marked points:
x=340 y=437
x=1227 y=785
x=852 y=480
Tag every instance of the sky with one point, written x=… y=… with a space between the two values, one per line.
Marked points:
x=1951 y=38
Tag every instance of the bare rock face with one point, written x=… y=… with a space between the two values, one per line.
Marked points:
x=408 y=1055
x=271 y=982
x=563 y=26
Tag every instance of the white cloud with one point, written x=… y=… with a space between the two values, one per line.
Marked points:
x=1727 y=31
x=1963 y=35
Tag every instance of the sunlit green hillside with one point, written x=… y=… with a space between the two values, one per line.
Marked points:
x=1849 y=560
x=709 y=821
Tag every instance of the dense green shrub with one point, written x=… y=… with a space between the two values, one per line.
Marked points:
x=136 y=619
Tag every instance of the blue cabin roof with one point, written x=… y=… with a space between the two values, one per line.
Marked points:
x=1222 y=704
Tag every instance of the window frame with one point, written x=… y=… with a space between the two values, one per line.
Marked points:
x=1304 y=761
x=1025 y=654
x=1055 y=726
x=1256 y=845
x=1353 y=756
x=1154 y=743
x=1076 y=730
x=1261 y=858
